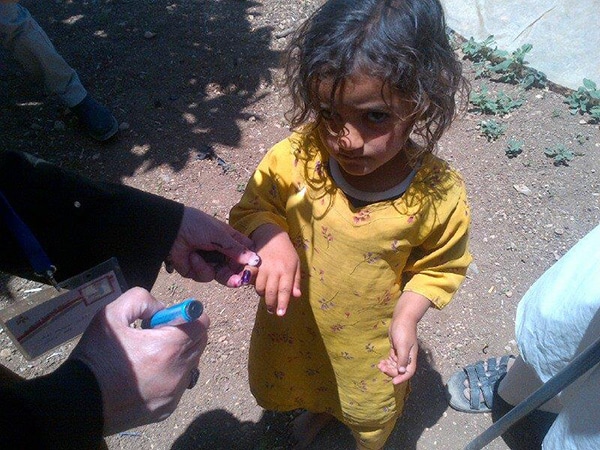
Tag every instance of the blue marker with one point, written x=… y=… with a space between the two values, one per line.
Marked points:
x=186 y=311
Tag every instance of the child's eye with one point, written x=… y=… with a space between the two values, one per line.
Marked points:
x=377 y=116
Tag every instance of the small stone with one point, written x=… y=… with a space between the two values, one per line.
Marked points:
x=149 y=34
x=5 y=353
x=124 y=126
x=59 y=125
x=473 y=269
x=522 y=189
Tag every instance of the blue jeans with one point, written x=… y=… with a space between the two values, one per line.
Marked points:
x=21 y=35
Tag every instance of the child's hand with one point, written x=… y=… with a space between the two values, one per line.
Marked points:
x=278 y=276
x=402 y=362
x=401 y=365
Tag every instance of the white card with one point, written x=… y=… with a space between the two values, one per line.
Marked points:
x=50 y=318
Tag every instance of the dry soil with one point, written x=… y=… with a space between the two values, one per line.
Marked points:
x=194 y=85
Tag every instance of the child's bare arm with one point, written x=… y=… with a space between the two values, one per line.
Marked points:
x=402 y=362
x=278 y=277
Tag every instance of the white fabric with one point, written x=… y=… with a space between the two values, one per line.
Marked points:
x=557 y=319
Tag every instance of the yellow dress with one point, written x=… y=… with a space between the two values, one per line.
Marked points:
x=323 y=354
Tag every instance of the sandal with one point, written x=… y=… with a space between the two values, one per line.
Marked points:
x=472 y=389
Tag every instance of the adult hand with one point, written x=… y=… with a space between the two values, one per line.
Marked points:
x=200 y=235
x=142 y=373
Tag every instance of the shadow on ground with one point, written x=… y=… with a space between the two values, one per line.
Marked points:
x=181 y=75
x=220 y=430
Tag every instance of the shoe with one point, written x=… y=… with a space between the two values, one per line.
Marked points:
x=96 y=118
x=472 y=388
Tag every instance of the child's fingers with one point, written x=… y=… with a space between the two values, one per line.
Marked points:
x=402 y=352
x=288 y=286
x=271 y=293
x=296 y=291
x=283 y=300
x=406 y=372
x=286 y=289
x=388 y=368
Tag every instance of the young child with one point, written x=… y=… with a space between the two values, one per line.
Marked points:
x=354 y=216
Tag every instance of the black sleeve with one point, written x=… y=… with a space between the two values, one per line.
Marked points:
x=59 y=410
x=81 y=223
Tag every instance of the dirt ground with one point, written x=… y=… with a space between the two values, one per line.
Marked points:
x=194 y=87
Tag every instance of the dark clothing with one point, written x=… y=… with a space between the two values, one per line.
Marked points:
x=79 y=223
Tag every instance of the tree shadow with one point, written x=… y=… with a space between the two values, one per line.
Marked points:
x=182 y=75
x=221 y=430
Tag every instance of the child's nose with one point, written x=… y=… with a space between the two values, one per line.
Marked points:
x=350 y=138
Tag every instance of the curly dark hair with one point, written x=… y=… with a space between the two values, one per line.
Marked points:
x=402 y=42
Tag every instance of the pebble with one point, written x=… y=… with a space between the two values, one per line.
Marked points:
x=5 y=353
x=149 y=34
x=522 y=189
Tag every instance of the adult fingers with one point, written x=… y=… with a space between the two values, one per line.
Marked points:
x=199 y=269
x=241 y=254
x=197 y=337
x=135 y=303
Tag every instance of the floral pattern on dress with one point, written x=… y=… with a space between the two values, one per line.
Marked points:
x=352 y=273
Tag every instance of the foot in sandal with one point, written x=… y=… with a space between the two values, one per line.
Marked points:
x=472 y=388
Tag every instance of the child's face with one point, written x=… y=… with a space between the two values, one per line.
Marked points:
x=365 y=131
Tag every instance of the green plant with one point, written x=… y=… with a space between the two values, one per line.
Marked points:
x=514 y=148
x=491 y=129
x=478 y=51
x=560 y=154
x=511 y=66
x=581 y=139
x=585 y=100
x=502 y=104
